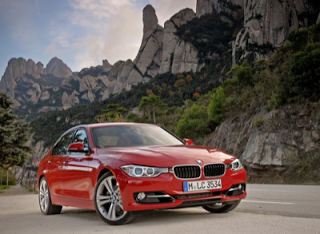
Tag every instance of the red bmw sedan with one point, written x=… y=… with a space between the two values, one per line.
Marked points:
x=121 y=169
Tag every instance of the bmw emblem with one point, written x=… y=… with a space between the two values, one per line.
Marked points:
x=199 y=161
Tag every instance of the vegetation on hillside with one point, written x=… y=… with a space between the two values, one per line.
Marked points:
x=209 y=34
x=14 y=136
x=290 y=75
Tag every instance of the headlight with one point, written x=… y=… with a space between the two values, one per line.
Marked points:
x=235 y=165
x=143 y=171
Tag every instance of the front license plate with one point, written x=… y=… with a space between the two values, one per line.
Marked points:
x=201 y=185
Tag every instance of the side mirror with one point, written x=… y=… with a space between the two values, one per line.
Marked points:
x=188 y=141
x=77 y=147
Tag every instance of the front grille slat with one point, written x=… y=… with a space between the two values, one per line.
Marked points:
x=214 y=170
x=194 y=171
x=187 y=172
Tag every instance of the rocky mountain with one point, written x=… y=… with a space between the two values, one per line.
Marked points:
x=230 y=8
x=267 y=25
x=36 y=89
x=177 y=55
x=147 y=62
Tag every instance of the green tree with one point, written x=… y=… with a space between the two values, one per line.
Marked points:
x=194 y=123
x=151 y=103
x=113 y=113
x=14 y=136
x=217 y=106
x=243 y=74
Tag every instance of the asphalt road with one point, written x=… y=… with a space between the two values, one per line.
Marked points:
x=281 y=209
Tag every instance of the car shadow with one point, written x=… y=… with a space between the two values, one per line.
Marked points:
x=151 y=217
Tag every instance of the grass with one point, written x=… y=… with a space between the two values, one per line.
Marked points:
x=5 y=187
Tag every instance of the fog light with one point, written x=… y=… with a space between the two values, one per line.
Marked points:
x=141 y=196
x=240 y=187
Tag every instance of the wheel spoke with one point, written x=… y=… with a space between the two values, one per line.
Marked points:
x=120 y=205
x=42 y=203
x=108 y=185
x=102 y=200
x=112 y=212
x=44 y=195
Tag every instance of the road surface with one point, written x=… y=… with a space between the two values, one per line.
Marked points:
x=281 y=209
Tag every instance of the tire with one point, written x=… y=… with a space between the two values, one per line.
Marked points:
x=46 y=206
x=108 y=203
x=221 y=207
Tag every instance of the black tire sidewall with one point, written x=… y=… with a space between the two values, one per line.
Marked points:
x=224 y=209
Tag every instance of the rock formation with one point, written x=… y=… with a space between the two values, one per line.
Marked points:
x=284 y=133
x=55 y=87
x=58 y=68
x=178 y=56
x=147 y=62
x=216 y=6
x=17 y=68
x=267 y=24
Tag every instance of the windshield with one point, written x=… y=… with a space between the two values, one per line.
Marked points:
x=132 y=135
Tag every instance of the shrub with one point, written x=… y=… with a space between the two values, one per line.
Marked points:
x=194 y=123
x=306 y=72
x=258 y=122
x=217 y=106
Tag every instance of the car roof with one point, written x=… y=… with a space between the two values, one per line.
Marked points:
x=95 y=125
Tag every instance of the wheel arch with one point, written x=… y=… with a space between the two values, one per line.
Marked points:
x=38 y=182
x=102 y=172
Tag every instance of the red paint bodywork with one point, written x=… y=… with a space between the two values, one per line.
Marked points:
x=72 y=178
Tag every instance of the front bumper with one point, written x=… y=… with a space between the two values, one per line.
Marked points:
x=166 y=191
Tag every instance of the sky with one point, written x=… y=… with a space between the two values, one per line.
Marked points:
x=80 y=32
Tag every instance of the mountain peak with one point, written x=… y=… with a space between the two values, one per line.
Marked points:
x=150 y=19
x=58 y=68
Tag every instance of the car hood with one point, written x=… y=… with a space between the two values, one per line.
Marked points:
x=167 y=156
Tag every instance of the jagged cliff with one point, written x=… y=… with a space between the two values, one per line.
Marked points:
x=267 y=25
x=177 y=55
x=268 y=147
